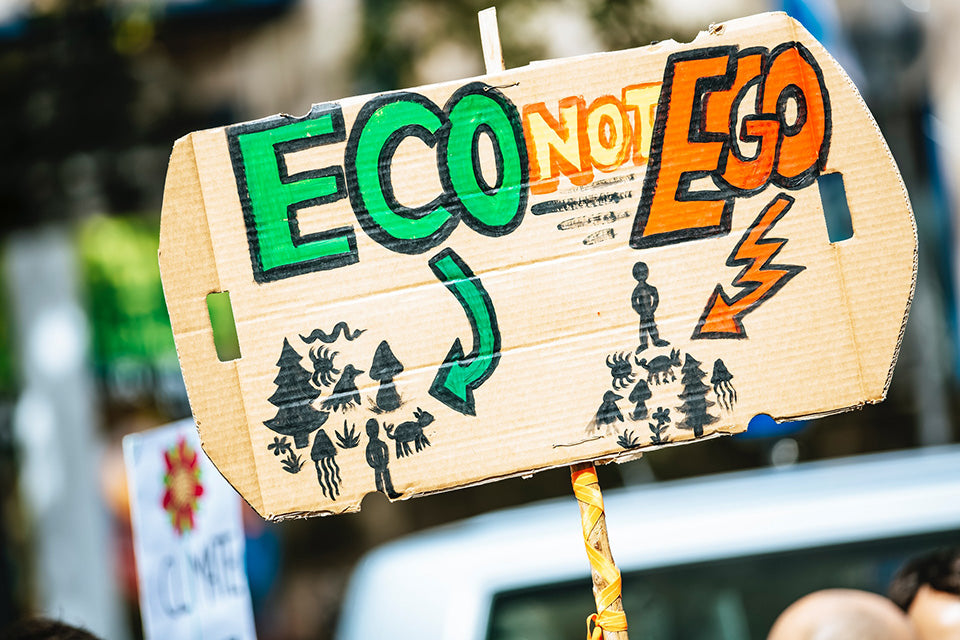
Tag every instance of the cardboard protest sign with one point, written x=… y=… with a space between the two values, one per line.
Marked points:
x=574 y=260
x=188 y=539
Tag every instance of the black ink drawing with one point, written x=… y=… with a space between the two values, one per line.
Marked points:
x=627 y=440
x=599 y=236
x=345 y=395
x=722 y=385
x=293 y=398
x=660 y=383
x=695 y=404
x=620 y=370
x=410 y=431
x=596 y=219
x=324 y=456
x=645 y=301
x=323 y=367
x=329 y=338
x=349 y=439
x=384 y=368
x=279 y=446
x=660 y=367
x=378 y=457
x=662 y=416
x=575 y=204
x=639 y=396
x=608 y=413
x=292 y=463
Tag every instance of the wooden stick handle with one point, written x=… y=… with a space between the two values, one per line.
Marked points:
x=606 y=576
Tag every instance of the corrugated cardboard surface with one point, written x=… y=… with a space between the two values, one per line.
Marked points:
x=825 y=341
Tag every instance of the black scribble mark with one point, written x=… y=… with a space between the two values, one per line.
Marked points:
x=596 y=219
x=292 y=463
x=722 y=385
x=349 y=438
x=599 y=236
x=323 y=368
x=605 y=182
x=620 y=370
x=575 y=204
x=628 y=441
x=328 y=338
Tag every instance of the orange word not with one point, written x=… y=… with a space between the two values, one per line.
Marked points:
x=604 y=135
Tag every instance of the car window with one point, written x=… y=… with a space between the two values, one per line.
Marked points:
x=731 y=599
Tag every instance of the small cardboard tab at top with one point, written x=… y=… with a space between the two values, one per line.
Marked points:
x=576 y=260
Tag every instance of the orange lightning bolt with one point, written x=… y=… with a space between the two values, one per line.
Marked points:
x=760 y=279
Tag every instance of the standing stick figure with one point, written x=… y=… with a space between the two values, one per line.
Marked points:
x=645 y=301
x=378 y=457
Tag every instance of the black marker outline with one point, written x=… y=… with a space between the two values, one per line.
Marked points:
x=261 y=275
x=372 y=228
x=523 y=187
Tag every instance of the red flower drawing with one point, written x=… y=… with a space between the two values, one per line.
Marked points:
x=182 y=480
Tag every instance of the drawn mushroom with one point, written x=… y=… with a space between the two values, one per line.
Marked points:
x=384 y=368
x=639 y=396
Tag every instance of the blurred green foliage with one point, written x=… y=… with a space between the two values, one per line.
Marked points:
x=124 y=297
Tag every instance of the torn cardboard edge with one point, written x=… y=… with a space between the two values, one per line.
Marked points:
x=232 y=449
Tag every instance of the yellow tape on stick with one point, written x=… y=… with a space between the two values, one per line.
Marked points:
x=606 y=576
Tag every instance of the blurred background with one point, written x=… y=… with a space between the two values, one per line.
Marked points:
x=95 y=93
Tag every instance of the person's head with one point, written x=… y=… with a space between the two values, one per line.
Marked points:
x=640 y=272
x=373 y=429
x=842 y=614
x=928 y=589
x=44 y=629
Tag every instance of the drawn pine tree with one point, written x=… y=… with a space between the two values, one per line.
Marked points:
x=694 y=397
x=293 y=398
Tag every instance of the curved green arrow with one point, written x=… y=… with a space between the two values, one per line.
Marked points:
x=460 y=374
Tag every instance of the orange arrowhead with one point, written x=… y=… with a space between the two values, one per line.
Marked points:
x=720 y=318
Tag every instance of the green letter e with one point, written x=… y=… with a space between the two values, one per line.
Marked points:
x=271 y=196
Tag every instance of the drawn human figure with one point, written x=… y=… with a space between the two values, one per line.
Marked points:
x=645 y=301
x=378 y=457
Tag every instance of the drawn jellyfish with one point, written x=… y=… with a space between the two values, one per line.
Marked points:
x=324 y=454
x=722 y=385
x=620 y=370
x=323 y=369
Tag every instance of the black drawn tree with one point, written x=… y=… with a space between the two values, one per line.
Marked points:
x=293 y=398
x=694 y=397
x=384 y=368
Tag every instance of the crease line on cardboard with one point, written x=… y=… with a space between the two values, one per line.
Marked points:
x=232 y=365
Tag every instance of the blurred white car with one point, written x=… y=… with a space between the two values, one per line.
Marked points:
x=715 y=557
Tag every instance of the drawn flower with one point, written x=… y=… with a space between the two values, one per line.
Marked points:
x=183 y=487
x=661 y=415
x=280 y=446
